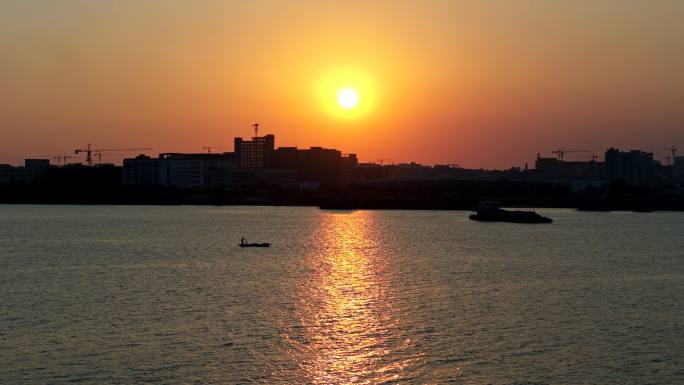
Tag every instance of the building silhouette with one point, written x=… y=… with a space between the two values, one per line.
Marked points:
x=634 y=167
x=6 y=174
x=33 y=171
x=141 y=170
x=578 y=174
x=316 y=166
x=255 y=162
x=201 y=171
x=256 y=165
x=255 y=153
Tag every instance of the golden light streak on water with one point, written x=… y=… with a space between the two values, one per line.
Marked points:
x=350 y=318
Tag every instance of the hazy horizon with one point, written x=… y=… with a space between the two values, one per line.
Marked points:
x=481 y=84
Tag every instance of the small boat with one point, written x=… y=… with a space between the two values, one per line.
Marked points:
x=255 y=244
x=489 y=212
x=247 y=244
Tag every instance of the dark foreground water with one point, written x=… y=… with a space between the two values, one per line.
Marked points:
x=123 y=295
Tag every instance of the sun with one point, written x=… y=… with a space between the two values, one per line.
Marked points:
x=347 y=98
x=346 y=94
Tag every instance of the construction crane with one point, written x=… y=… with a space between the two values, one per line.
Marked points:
x=209 y=148
x=89 y=150
x=560 y=152
x=61 y=159
x=89 y=153
x=673 y=151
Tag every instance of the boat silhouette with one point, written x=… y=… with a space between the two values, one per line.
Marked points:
x=247 y=244
x=491 y=212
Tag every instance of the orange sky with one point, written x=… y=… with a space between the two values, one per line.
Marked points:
x=478 y=83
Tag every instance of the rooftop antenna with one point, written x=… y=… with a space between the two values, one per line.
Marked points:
x=256 y=130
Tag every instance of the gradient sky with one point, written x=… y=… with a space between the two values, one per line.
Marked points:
x=476 y=83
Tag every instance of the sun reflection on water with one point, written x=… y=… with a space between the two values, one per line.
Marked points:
x=350 y=328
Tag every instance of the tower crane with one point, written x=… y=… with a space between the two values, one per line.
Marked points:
x=673 y=151
x=256 y=130
x=560 y=152
x=89 y=154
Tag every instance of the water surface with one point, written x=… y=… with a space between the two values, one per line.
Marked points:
x=125 y=294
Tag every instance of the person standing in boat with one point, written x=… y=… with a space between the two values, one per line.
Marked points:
x=242 y=240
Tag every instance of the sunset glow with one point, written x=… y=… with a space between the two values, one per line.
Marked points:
x=437 y=82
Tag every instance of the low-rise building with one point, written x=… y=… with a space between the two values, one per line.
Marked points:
x=201 y=171
x=323 y=167
x=33 y=171
x=577 y=174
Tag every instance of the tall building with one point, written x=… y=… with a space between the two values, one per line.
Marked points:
x=255 y=153
x=634 y=167
x=142 y=170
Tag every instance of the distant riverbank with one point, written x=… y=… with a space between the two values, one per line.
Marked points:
x=409 y=196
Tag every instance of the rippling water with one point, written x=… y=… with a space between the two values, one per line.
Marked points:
x=102 y=294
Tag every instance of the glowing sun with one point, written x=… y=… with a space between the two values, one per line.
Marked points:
x=347 y=98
